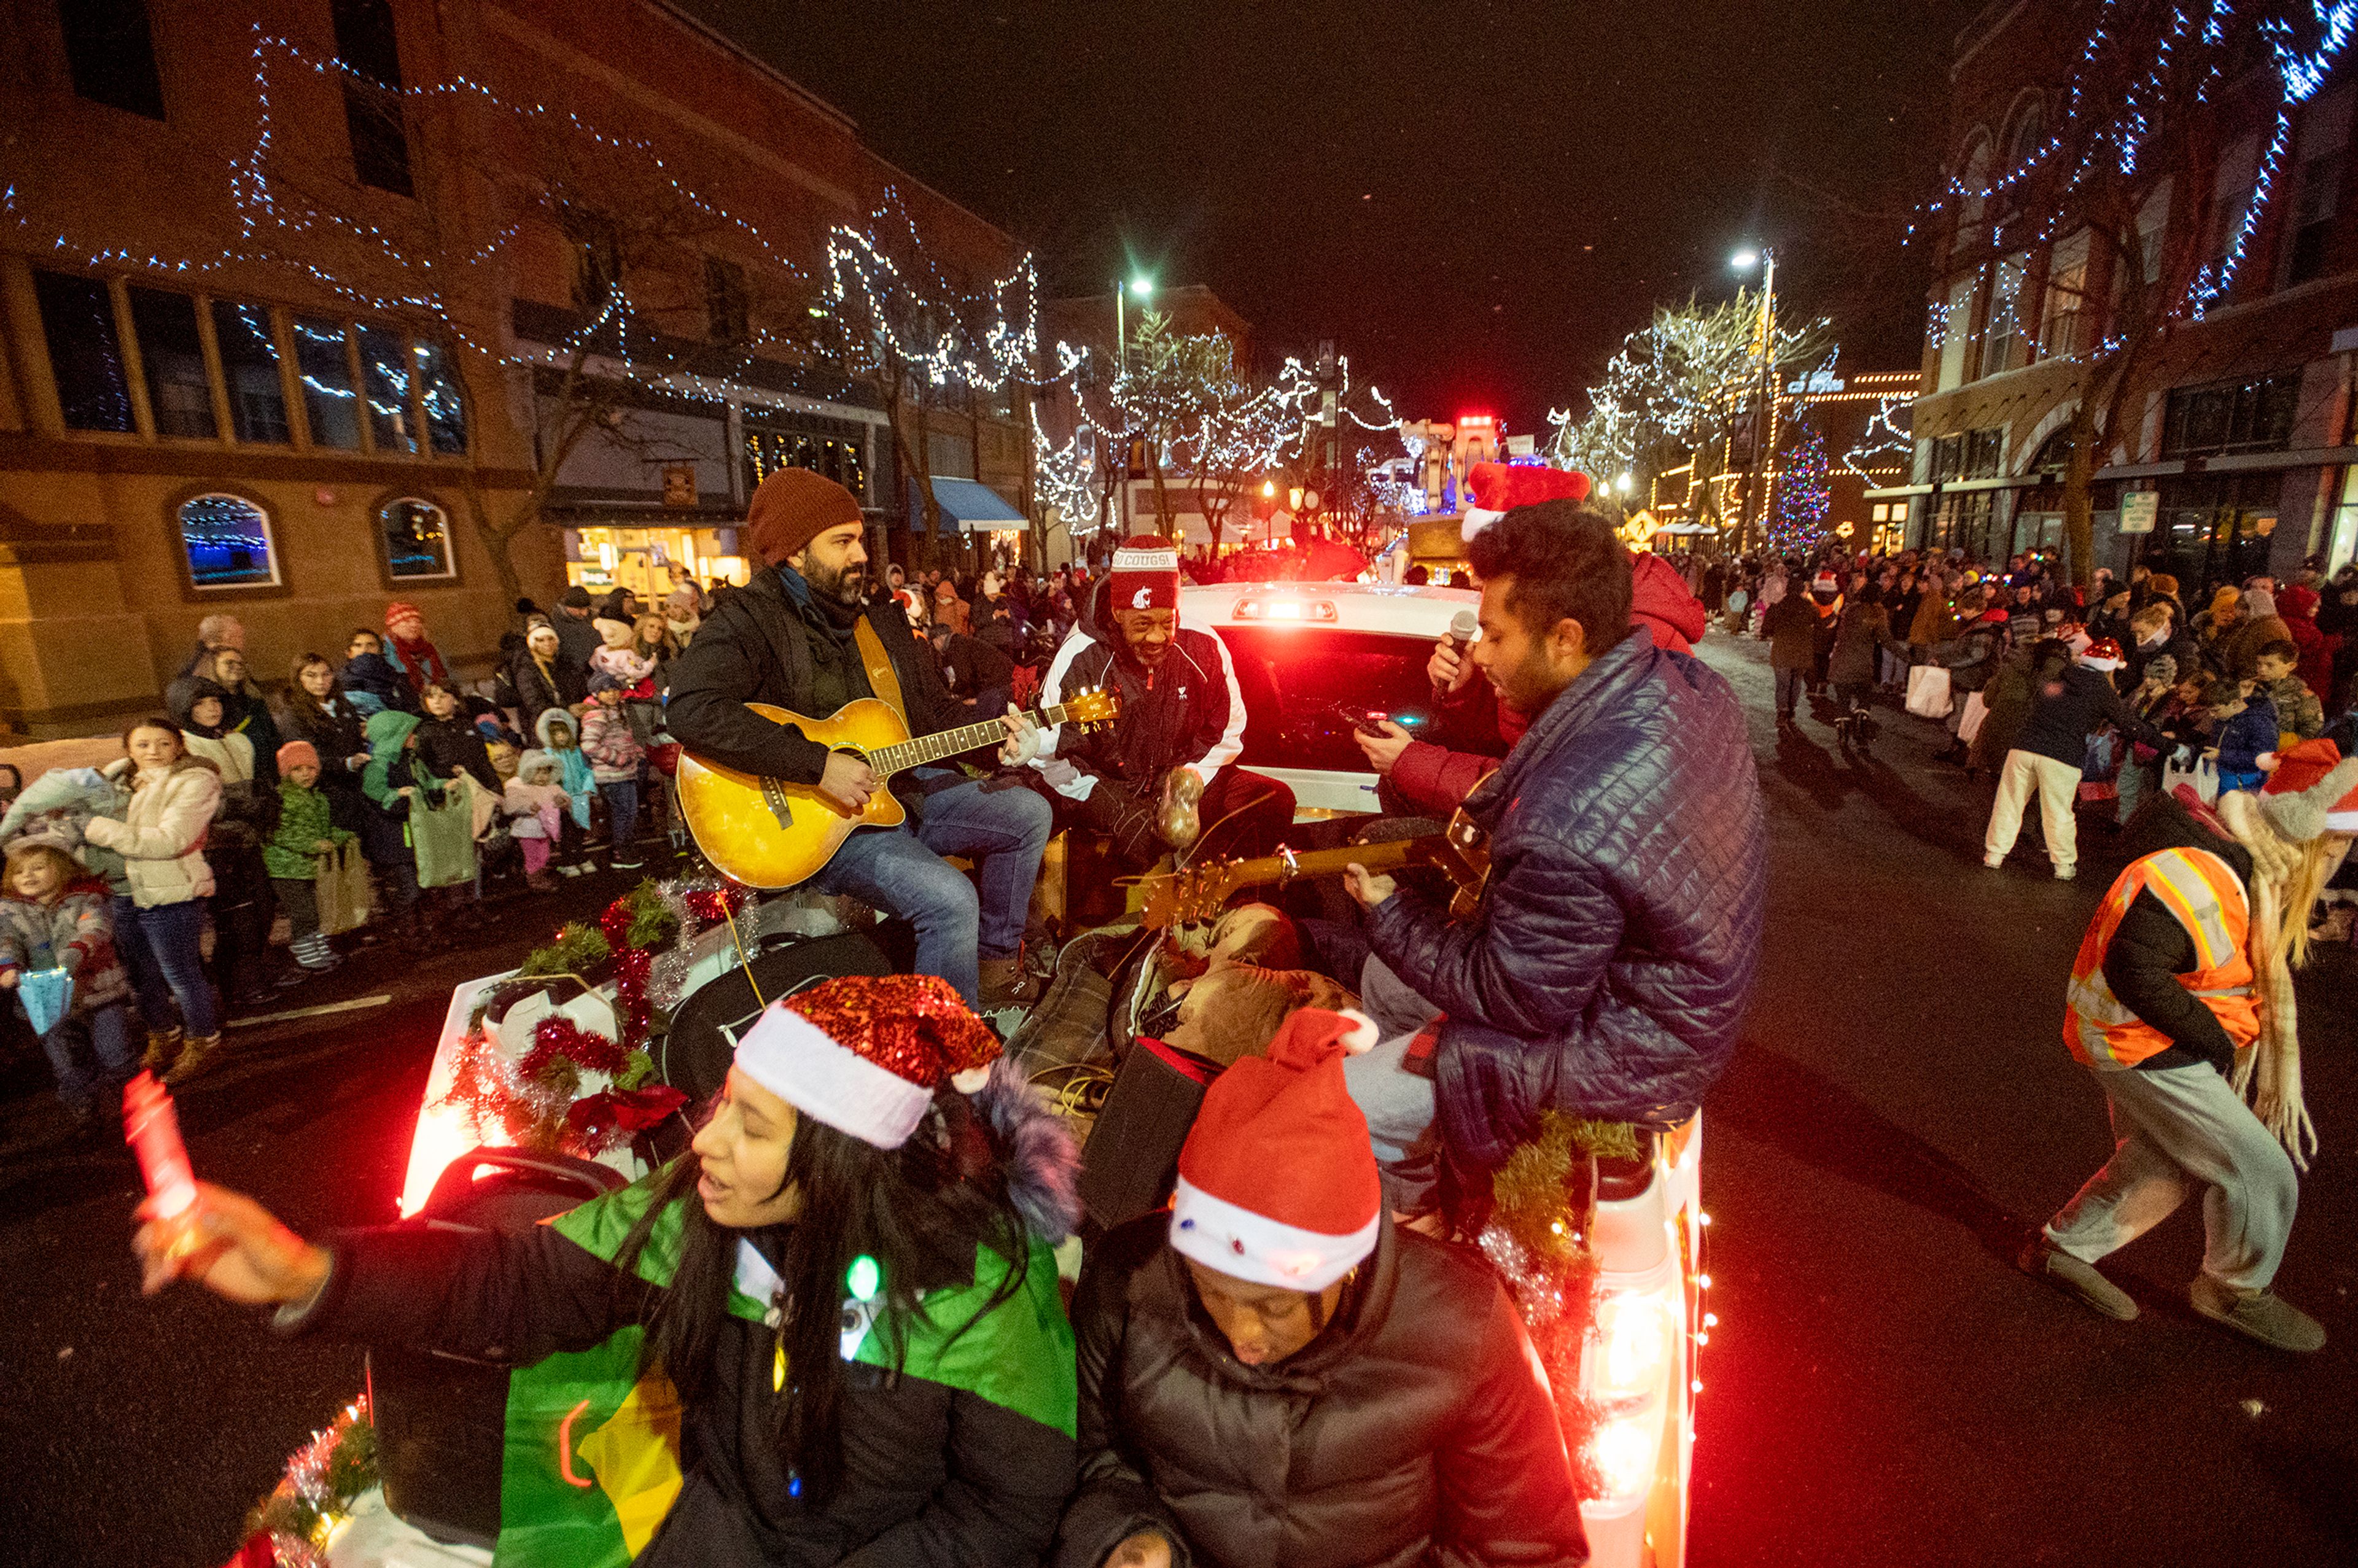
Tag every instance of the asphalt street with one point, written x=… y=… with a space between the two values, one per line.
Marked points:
x=1882 y=1387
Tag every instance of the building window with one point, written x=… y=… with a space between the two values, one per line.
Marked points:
x=837 y=451
x=446 y=406
x=725 y=302
x=2230 y=197
x=386 y=378
x=323 y=361
x=1952 y=329
x=416 y=536
x=1948 y=459
x=371 y=84
x=2231 y=417
x=85 y=356
x=111 y=54
x=173 y=359
x=2317 y=197
x=596 y=263
x=2002 y=341
x=2341 y=544
x=226 y=542
x=1985 y=451
x=2065 y=309
x=249 y=359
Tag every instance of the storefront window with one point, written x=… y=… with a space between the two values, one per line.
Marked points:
x=417 y=537
x=2233 y=416
x=2341 y=545
x=323 y=359
x=2216 y=527
x=249 y=357
x=77 y=322
x=840 y=453
x=172 y=357
x=226 y=542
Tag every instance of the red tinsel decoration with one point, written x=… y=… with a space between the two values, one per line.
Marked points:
x=631 y=969
x=555 y=1038
x=616 y=924
x=603 y=1117
x=710 y=904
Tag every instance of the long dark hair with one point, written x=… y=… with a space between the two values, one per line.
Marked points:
x=921 y=1211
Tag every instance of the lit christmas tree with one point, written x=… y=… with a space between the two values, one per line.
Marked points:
x=1803 y=496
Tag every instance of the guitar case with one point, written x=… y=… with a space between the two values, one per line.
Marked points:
x=702 y=1042
x=441 y=1420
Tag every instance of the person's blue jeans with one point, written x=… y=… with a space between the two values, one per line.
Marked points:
x=104 y=1033
x=161 y=948
x=1002 y=826
x=623 y=803
x=1789 y=690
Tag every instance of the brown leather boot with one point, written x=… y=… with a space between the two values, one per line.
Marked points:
x=1005 y=984
x=163 y=1045
x=192 y=1057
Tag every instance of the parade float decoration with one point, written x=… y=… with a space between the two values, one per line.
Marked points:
x=296 y=1524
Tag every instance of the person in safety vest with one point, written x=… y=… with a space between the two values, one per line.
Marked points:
x=829 y=1332
x=2180 y=1002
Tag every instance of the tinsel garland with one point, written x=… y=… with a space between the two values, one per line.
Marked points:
x=1537 y=1238
x=291 y=1528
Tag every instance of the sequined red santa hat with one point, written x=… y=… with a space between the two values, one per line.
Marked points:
x=1277 y=1182
x=1500 y=487
x=865 y=1053
x=2314 y=790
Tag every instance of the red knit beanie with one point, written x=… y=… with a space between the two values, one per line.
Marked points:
x=1145 y=574
x=791 y=508
x=1277 y=1181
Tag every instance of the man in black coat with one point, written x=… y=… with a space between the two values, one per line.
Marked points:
x=1166 y=768
x=1605 y=970
x=577 y=639
x=1273 y=1375
x=789 y=640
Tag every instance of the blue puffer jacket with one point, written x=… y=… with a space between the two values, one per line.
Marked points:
x=1608 y=969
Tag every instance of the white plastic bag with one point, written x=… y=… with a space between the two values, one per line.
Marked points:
x=1928 y=692
x=2202 y=773
x=1969 y=722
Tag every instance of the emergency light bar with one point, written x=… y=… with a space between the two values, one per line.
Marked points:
x=1285 y=610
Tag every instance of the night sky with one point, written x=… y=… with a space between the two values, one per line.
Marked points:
x=1477 y=201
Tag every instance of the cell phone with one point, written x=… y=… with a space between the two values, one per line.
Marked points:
x=1363 y=720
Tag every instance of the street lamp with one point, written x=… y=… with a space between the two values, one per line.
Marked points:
x=1625 y=483
x=1763 y=418
x=1143 y=287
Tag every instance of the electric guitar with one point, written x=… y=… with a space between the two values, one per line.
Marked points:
x=767 y=833
x=1461 y=851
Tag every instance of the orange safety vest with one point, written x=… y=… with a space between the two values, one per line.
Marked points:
x=2202 y=892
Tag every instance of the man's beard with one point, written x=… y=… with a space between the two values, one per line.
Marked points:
x=847 y=586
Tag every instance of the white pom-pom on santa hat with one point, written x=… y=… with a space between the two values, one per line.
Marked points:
x=1361 y=1038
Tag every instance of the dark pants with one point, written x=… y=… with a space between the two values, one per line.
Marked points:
x=299 y=897
x=1243 y=816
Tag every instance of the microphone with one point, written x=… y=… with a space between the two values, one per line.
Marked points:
x=1462 y=627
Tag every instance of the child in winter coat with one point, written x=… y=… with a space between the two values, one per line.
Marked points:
x=616 y=758
x=395 y=776
x=536 y=804
x=55 y=915
x=2247 y=742
x=559 y=733
x=621 y=658
x=242 y=906
x=2297 y=709
x=374 y=686
x=449 y=740
x=306 y=832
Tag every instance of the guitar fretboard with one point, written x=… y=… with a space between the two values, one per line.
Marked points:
x=888 y=760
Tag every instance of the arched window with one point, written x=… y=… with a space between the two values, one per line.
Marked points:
x=1973 y=179
x=2029 y=131
x=225 y=539
x=416 y=539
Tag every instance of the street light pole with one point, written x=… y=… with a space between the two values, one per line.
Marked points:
x=1120 y=368
x=1764 y=415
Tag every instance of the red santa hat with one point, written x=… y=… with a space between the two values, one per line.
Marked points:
x=1145 y=574
x=2105 y=655
x=2298 y=803
x=1277 y=1182
x=1500 y=487
x=865 y=1053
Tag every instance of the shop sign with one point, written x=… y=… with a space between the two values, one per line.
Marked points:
x=679 y=484
x=2138 y=510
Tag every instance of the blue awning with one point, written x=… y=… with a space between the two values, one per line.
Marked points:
x=975 y=508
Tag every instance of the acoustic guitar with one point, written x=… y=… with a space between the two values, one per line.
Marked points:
x=769 y=834
x=1460 y=851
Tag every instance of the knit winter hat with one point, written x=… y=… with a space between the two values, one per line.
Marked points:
x=1145 y=574
x=2226 y=598
x=1277 y=1182
x=2314 y=790
x=791 y=508
x=2162 y=669
x=576 y=597
x=295 y=753
x=1498 y=488
x=866 y=1054
x=398 y=611
x=605 y=680
x=614 y=633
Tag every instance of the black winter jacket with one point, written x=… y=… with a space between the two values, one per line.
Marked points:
x=1607 y=970
x=453 y=745
x=1189 y=711
x=2066 y=710
x=759 y=645
x=1413 y=1431
x=536 y=693
x=934 y=1476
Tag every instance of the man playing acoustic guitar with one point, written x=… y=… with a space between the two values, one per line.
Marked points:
x=790 y=639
